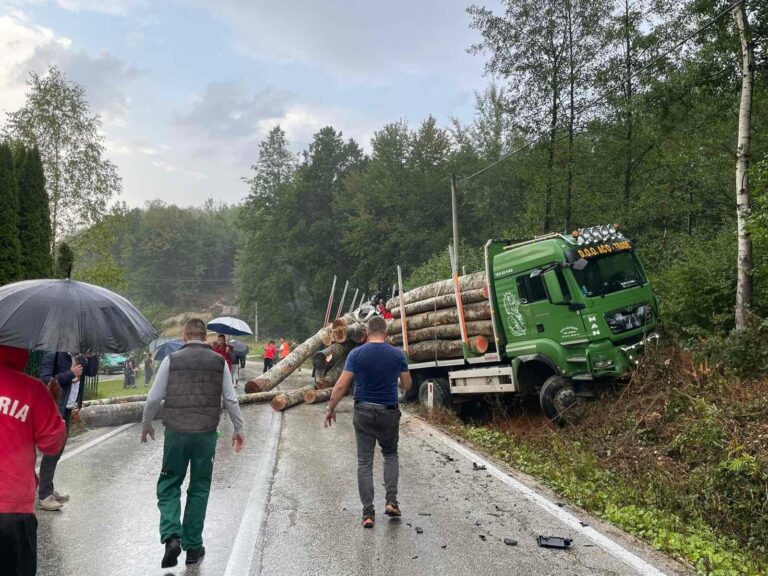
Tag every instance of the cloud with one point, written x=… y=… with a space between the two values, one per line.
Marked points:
x=361 y=41
x=26 y=48
x=229 y=110
x=109 y=7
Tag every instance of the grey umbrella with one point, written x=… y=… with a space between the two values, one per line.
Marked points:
x=71 y=316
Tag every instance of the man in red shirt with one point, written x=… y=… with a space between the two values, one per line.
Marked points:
x=222 y=348
x=269 y=355
x=29 y=418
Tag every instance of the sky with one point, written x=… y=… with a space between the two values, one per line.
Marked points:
x=186 y=89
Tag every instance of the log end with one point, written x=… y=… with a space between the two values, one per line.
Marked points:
x=310 y=396
x=479 y=344
x=279 y=402
x=252 y=387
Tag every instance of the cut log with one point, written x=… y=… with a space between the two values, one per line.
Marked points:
x=345 y=331
x=256 y=398
x=327 y=357
x=327 y=337
x=446 y=332
x=99 y=416
x=472 y=313
x=445 y=349
x=446 y=301
x=118 y=400
x=441 y=288
x=316 y=396
x=285 y=400
x=288 y=365
x=329 y=377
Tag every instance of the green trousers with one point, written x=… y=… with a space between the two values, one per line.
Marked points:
x=179 y=451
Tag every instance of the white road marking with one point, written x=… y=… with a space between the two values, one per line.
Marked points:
x=69 y=454
x=241 y=558
x=563 y=516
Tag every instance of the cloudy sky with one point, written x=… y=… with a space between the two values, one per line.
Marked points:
x=187 y=88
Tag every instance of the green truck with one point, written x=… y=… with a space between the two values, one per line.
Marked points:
x=568 y=313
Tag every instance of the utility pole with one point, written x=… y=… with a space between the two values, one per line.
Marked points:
x=455 y=218
x=256 y=321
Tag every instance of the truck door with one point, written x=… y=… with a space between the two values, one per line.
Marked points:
x=514 y=310
x=555 y=321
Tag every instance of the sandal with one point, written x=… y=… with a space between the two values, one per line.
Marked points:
x=369 y=518
x=392 y=509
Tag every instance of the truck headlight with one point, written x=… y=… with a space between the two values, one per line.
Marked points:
x=602 y=363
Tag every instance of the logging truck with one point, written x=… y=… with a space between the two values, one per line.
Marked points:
x=554 y=316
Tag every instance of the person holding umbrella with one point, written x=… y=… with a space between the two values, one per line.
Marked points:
x=29 y=419
x=68 y=371
x=193 y=382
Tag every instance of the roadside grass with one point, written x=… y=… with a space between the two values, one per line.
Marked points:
x=678 y=458
x=114 y=388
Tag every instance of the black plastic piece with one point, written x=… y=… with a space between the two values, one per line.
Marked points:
x=554 y=542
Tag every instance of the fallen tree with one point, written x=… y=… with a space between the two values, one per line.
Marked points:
x=286 y=400
x=441 y=288
x=472 y=312
x=445 y=332
x=438 y=302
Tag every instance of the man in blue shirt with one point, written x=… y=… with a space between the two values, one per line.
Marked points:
x=375 y=368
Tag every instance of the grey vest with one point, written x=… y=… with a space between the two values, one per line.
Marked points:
x=193 y=395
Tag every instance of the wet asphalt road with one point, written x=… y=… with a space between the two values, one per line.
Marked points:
x=288 y=505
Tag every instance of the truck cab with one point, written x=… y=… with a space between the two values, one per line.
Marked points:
x=568 y=312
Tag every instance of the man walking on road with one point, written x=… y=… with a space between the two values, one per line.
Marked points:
x=375 y=368
x=29 y=418
x=285 y=349
x=193 y=382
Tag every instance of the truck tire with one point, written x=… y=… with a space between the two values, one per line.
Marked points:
x=559 y=401
x=440 y=391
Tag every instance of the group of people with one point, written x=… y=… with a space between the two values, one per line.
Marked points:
x=191 y=384
x=270 y=351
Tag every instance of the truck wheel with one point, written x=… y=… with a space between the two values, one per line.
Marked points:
x=440 y=392
x=559 y=402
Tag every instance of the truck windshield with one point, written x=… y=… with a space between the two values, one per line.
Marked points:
x=609 y=273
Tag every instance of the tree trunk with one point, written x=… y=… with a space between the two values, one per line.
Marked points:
x=628 y=90
x=328 y=378
x=345 y=329
x=288 y=365
x=316 y=396
x=571 y=118
x=285 y=400
x=119 y=400
x=99 y=416
x=327 y=337
x=743 y=154
x=446 y=332
x=472 y=312
x=330 y=356
x=441 y=288
x=551 y=155
x=256 y=398
x=445 y=301
x=445 y=349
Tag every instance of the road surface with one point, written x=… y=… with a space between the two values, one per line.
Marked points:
x=288 y=505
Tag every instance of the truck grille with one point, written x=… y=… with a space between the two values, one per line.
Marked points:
x=629 y=318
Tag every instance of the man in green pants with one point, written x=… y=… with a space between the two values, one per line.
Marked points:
x=193 y=382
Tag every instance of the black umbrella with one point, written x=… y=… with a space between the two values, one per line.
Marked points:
x=241 y=348
x=70 y=316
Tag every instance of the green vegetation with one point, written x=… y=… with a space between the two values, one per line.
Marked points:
x=112 y=387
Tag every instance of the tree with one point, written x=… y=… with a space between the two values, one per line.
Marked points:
x=743 y=152
x=34 y=216
x=65 y=260
x=80 y=181
x=10 y=257
x=273 y=169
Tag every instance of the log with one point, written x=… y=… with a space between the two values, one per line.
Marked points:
x=329 y=377
x=445 y=301
x=287 y=365
x=345 y=330
x=285 y=400
x=472 y=312
x=445 y=332
x=118 y=400
x=444 y=349
x=327 y=337
x=99 y=416
x=316 y=396
x=441 y=288
x=256 y=398
x=327 y=357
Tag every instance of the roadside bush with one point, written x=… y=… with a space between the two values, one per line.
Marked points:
x=743 y=353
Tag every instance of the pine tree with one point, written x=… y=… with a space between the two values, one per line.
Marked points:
x=9 y=230
x=34 y=217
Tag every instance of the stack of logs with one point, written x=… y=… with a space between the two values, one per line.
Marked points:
x=432 y=319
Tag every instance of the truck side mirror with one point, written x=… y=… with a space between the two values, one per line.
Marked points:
x=580 y=264
x=552 y=285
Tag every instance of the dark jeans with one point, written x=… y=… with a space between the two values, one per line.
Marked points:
x=376 y=424
x=268 y=363
x=48 y=467
x=18 y=544
x=148 y=376
x=129 y=380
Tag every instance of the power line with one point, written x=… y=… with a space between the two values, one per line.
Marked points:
x=608 y=92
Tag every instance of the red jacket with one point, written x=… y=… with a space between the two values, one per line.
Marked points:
x=269 y=351
x=223 y=351
x=29 y=418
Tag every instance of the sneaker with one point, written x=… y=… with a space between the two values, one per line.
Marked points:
x=61 y=497
x=392 y=509
x=194 y=556
x=369 y=517
x=172 y=552
x=49 y=503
